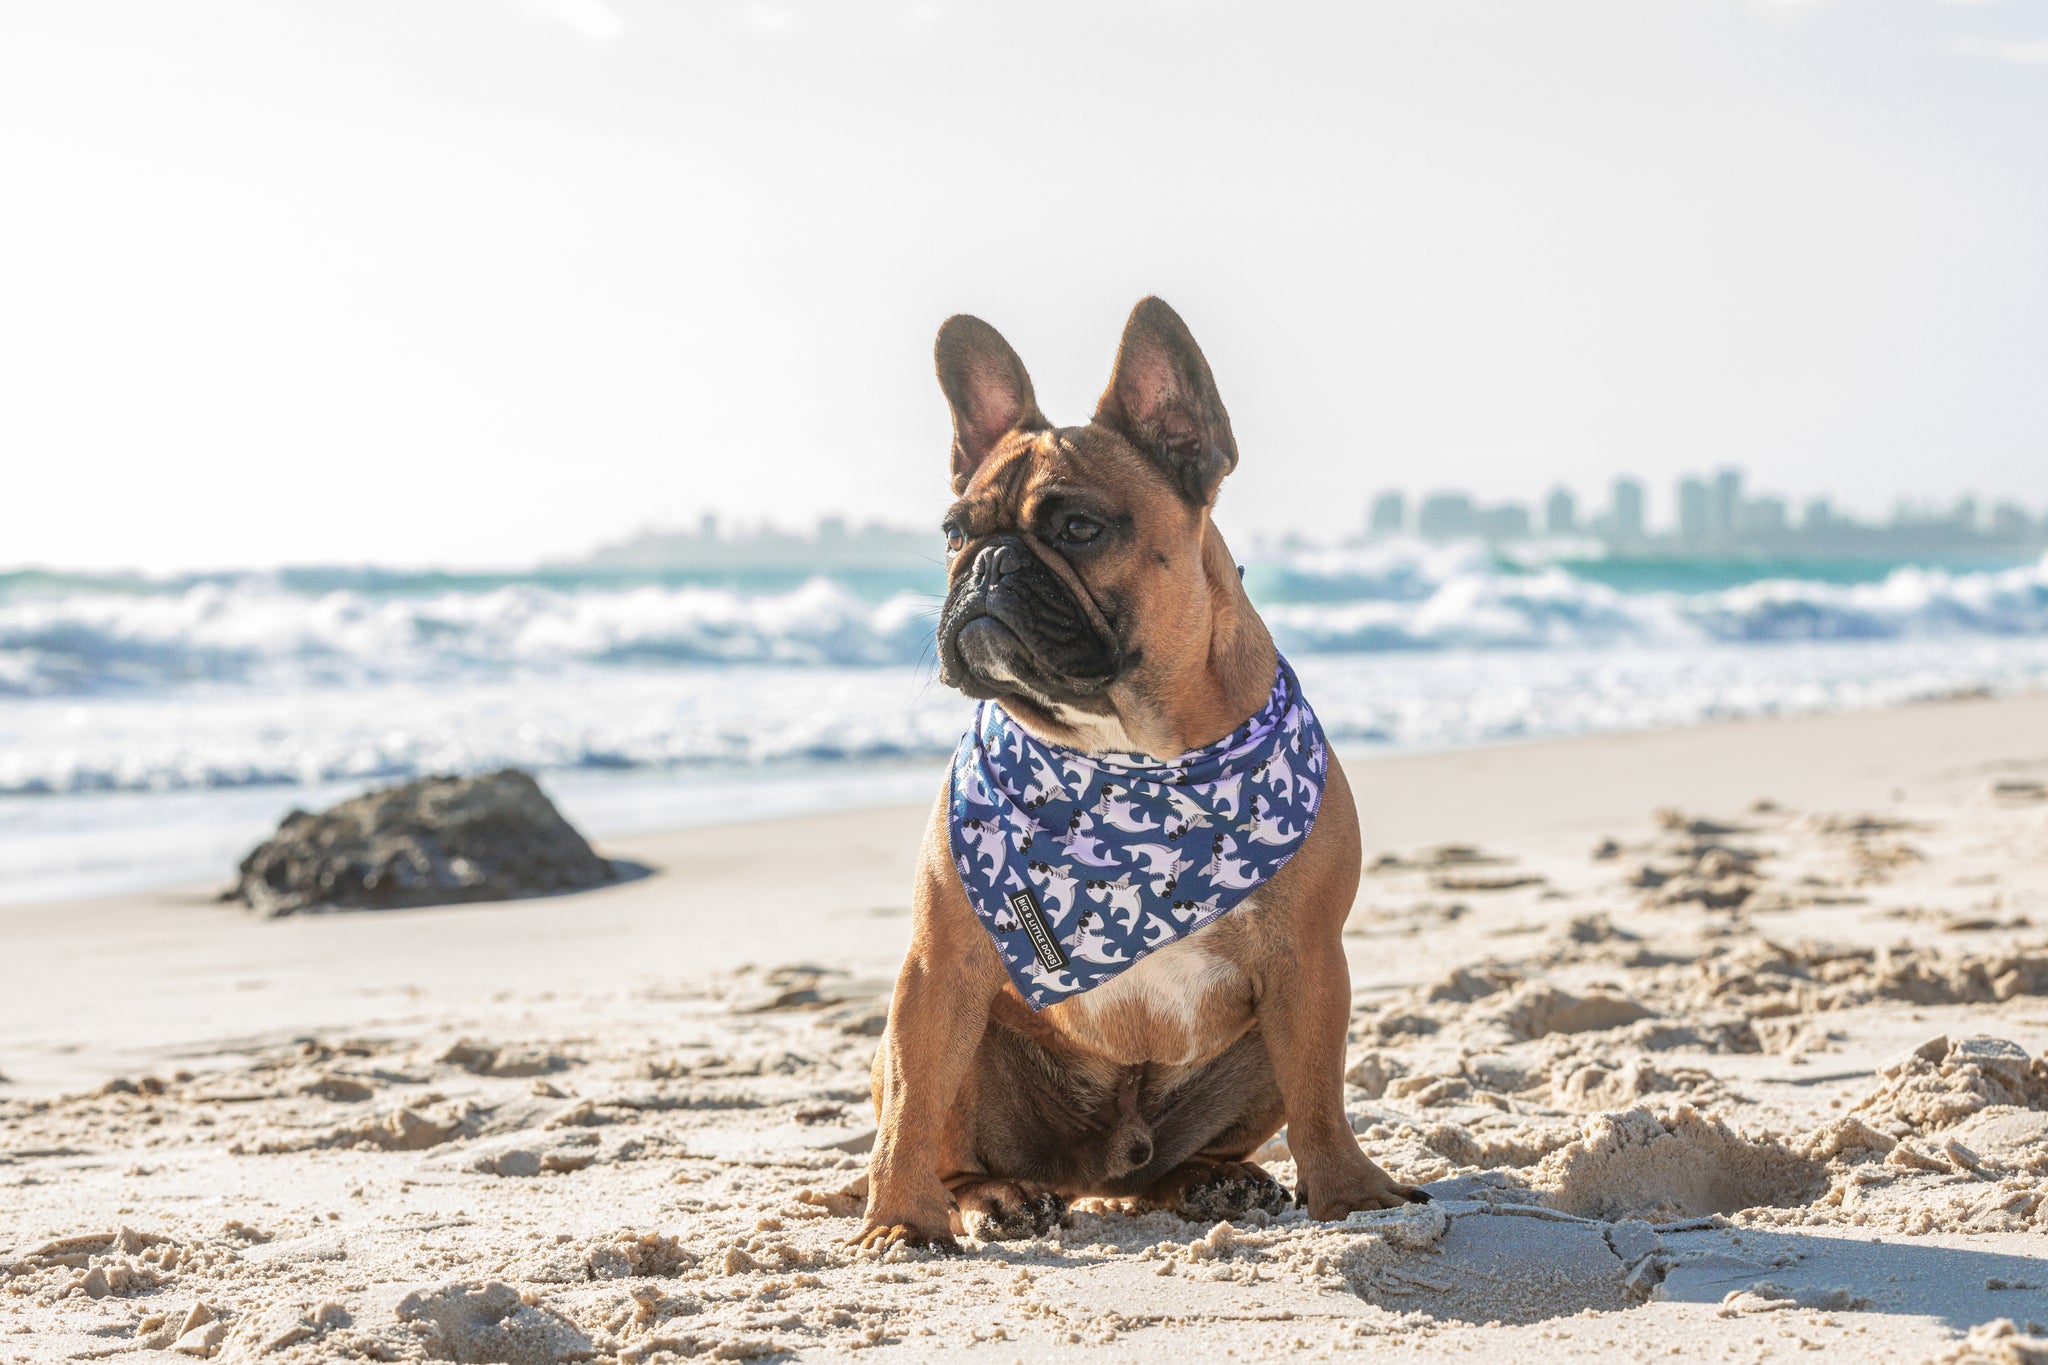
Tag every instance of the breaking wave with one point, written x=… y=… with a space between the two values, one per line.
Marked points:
x=96 y=638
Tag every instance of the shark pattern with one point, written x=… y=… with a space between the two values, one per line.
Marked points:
x=1080 y=864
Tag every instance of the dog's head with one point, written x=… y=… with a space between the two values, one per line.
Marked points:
x=1076 y=554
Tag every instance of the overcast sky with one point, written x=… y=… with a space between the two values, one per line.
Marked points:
x=483 y=281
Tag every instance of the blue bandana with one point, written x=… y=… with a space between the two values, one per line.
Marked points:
x=1080 y=864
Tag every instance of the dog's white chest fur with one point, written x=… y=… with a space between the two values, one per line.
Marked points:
x=1171 y=995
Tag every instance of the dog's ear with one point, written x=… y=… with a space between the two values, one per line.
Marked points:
x=1163 y=400
x=987 y=388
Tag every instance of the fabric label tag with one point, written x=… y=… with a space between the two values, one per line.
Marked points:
x=1049 y=955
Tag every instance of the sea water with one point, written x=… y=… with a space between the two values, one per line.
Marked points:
x=151 y=730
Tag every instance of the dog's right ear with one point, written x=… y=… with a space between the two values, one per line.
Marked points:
x=987 y=388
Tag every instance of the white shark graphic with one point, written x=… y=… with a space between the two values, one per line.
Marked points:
x=1044 y=783
x=1120 y=896
x=1226 y=795
x=1082 y=846
x=1266 y=828
x=1188 y=813
x=967 y=780
x=1056 y=889
x=1227 y=869
x=1162 y=863
x=1087 y=943
x=989 y=841
x=1059 y=982
x=1276 y=773
x=1119 y=812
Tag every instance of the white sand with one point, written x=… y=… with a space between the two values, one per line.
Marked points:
x=1733 y=1095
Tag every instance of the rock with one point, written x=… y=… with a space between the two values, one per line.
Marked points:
x=436 y=841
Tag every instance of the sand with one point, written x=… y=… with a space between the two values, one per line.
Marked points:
x=1725 y=1043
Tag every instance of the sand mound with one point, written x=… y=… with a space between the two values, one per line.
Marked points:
x=2000 y=1342
x=491 y=1323
x=1534 y=1011
x=1637 y=1165
x=1941 y=1083
x=1768 y=979
x=490 y=1059
x=401 y=1130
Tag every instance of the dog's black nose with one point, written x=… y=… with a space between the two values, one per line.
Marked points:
x=996 y=562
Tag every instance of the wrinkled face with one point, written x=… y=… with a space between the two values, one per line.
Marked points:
x=1068 y=554
x=1075 y=553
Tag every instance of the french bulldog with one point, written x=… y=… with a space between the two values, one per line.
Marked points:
x=1091 y=594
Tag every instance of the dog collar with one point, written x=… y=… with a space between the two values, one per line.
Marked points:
x=1079 y=864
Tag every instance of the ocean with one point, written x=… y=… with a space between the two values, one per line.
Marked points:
x=153 y=729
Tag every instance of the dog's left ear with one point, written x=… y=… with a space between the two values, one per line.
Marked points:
x=1163 y=400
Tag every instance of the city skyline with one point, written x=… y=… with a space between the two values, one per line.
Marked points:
x=1714 y=513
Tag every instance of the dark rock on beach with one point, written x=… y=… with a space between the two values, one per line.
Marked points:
x=436 y=841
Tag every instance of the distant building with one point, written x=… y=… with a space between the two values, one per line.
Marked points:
x=1725 y=517
x=1509 y=521
x=1695 y=514
x=1561 y=513
x=1714 y=517
x=1447 y=516
x=1764 y=519
x=2009 y=521
x=1626 y=521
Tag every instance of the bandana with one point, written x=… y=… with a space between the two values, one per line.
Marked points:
x=1080 y=864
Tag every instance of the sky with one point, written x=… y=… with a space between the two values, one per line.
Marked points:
x=484 y=282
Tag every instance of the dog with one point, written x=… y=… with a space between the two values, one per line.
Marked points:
x=1090 y=593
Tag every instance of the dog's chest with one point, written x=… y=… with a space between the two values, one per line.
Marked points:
x=1178 y=1005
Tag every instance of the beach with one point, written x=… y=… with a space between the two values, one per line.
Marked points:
x=1721 y=1042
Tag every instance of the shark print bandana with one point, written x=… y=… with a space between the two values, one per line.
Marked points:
x=1081 y=864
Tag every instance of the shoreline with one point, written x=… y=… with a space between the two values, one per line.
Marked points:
x=637 y=804
x=855 y=867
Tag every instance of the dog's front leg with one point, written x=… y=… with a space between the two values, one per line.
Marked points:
x=936 y=1020
x=1303 y=1020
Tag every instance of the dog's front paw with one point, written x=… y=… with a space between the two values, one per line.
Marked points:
x=1368 y=1188
x=881 y=1233
x=1005 y=1210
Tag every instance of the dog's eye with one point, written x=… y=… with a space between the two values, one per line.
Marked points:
x=1080 y=530
x=956 y=540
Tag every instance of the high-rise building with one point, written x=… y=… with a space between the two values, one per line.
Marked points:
x=1447 y=516
x=1695 y=514
x=1764 y=518
x=1561 y=513
x=1726 y=515
x=1626 y=520
x=1389 y=514
x=1507 y=522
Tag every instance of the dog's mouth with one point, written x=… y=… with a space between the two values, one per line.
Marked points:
x=1024 y=637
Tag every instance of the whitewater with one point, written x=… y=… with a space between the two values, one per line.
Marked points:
x=151 y=729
